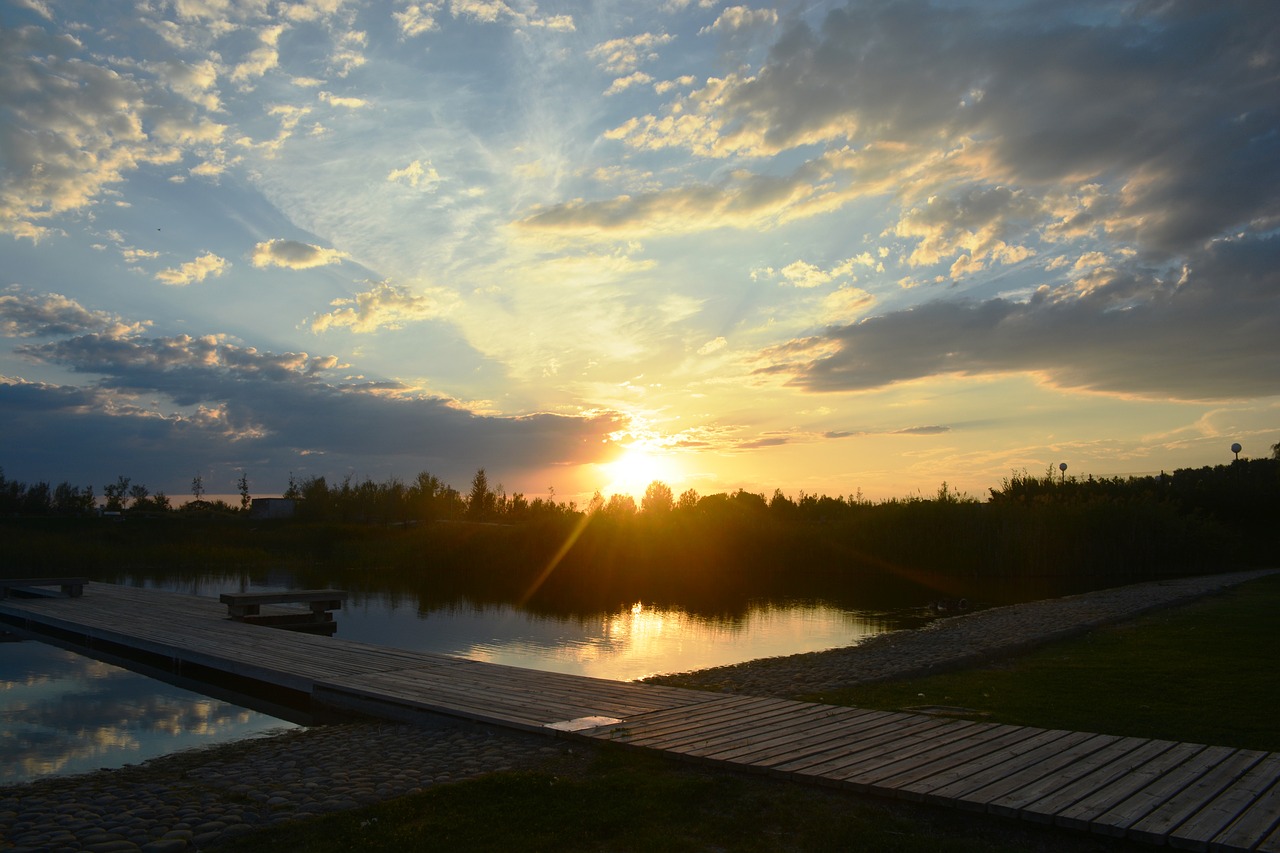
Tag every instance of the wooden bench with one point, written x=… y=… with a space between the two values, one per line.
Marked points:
x=38 y=587
x=247 y=607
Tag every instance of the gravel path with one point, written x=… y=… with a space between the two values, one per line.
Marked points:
x=952 y=642
x=194 y=799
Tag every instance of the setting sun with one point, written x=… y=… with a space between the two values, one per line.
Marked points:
x=637 y=467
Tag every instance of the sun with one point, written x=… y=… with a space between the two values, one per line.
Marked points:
x=637 y=467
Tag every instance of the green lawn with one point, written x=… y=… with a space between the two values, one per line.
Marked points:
x=1203 y=672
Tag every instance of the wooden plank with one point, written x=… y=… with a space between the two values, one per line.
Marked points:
x=712 y=718
x=812 y=737
x=730 y=742
x=1270 y=844
x=895 y=735
x=1157 y=825
x=892 y=749
x=965 y=751
x=1043 y=801
x=1118 y=819
x=1258 y=821
x=986 y=780
x=1223 y=811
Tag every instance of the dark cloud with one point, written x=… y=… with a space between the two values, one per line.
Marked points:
x=29 y=315
x=283 y=410
x=1209 y=335
x=1164 y=113
x=923 y=430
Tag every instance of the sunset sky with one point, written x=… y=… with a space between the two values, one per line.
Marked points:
x=821 y=247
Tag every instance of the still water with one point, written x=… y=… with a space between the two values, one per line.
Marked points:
x=61 y=713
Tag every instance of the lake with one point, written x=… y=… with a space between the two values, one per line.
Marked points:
x=61 y=713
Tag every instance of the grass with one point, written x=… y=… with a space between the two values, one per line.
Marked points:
x=1203 y=672
x=628 y=801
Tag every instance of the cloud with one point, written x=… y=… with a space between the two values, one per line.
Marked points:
x=713 y=345
x=195 y=271
x=416 y=175
x=283 y=409
x=1157 y=119
x=417 y=18
x=973 y=226
x=1209 y=335
x=340 y=101
x=294 y=255
x=621 y=56
x=737 y=18
x=28 y=315
x=384 y=306
x=496 y=11
x=71 y=128
x=261 y=59
x=621 y=84
x=740 y=200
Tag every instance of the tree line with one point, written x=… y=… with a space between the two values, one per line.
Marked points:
x=1240 y=492
x=428 y=539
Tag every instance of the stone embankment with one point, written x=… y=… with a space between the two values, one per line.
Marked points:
x=194 y=800
x=950 y=643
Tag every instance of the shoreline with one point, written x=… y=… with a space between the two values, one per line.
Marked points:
x=194 y=799
x=953 y=642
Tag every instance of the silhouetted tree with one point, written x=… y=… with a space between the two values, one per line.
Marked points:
x=481 y=502
x=38 y=499
x=197 y=487
x=657 y=499
x=116 y=494
x=243 y=485
x=620 y=506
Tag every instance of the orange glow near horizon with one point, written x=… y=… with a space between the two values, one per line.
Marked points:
x=639 y=465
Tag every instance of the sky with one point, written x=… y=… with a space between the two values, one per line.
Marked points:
x=855 y=248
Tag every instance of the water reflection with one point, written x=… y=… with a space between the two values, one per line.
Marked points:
x=631 y=642
x=61 y=713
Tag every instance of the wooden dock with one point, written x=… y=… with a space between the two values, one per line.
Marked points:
x=1189 y=796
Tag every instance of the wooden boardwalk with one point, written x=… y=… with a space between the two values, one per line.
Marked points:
x=1189 y=796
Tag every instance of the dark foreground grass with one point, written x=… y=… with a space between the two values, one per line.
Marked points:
x=624 y=800
x=1204 y=672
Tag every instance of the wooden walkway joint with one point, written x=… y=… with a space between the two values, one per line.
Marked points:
x=1188 y=796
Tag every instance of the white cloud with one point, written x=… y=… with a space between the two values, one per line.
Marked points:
x=621 y=56
x=621 y=84
x=350 y=103
x=736 y=18
x=495 y=11
x=416 y=175
x=261 y=59
x=195 y=271
x=383 y=306
x=294 y=255
x=713 y=345
x=417 y=18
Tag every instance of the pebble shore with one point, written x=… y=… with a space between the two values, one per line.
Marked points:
x=193 y=800
x=196 y=799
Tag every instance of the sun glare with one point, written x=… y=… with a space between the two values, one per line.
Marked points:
x=635 y=469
